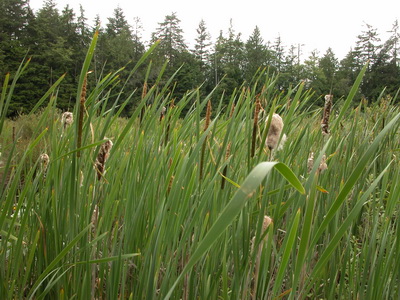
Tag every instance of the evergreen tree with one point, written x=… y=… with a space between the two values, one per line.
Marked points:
x=328 y=65
x=366 y=46
x=279 y=53
x=347 y=73
x=228 y=61
x=313 y=75
x=13 y=33
x=171 y=39
x=202 y=47
x=384 y=73
x=256 y=54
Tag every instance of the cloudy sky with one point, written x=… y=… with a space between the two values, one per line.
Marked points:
x=318 y=24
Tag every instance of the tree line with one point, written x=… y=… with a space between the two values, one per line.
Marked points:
x=57 y=41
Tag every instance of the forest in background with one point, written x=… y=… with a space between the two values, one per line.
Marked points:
x=57 y=41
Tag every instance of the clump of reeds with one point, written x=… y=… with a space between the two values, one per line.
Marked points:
x=102 y=157
x=67 y=118
x=203 y=148
x=327 y=113
x=274 y=132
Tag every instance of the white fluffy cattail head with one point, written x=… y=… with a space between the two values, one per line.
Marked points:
x=67 y=118
x=322 y=166
x=310 y=162
x=45 y=159
x=274 y=132
x=267 y=221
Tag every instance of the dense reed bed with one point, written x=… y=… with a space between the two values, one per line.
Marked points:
x=196 y=206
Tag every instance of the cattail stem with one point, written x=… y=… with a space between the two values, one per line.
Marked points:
x=203 y=148
x=232 y=110
x=81 y=113
x=144 y=93
x=255 y=126
x=267 y=221
x=225 y=171
x=171 y=106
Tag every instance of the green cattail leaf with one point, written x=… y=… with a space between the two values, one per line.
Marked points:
x=232 y=209
x=230 y=181
x=288 y=244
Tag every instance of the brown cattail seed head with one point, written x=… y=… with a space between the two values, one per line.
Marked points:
x=327 y=113
x=171 y=180
x=232 y=110
x=67 y=118
x=208 y=115
x=274 y=132
x=102 y=157
x=257 y=111
x=84 y=87
x=228 y=150
x=144 y=92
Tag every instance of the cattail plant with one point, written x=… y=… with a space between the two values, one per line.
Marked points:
x=274 y=132
x=225 y=171
x=232 y=110
x=266 y=223
x=322 y=165
x=327 y=113
x=310 y=162
x=203 y=148
x=102 y=157
x=171 y=106
x=255 y=126
x=81 y=113
x=162 y=113
x=144 y=93
x=67 y=118
x=45 y=159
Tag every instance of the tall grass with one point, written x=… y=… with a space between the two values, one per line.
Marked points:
x=159 y=224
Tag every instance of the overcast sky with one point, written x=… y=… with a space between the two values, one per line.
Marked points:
x=317 y=24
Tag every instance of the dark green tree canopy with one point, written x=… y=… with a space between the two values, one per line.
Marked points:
x=57 y=41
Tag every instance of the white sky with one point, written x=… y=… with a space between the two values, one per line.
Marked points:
x=318 y=24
